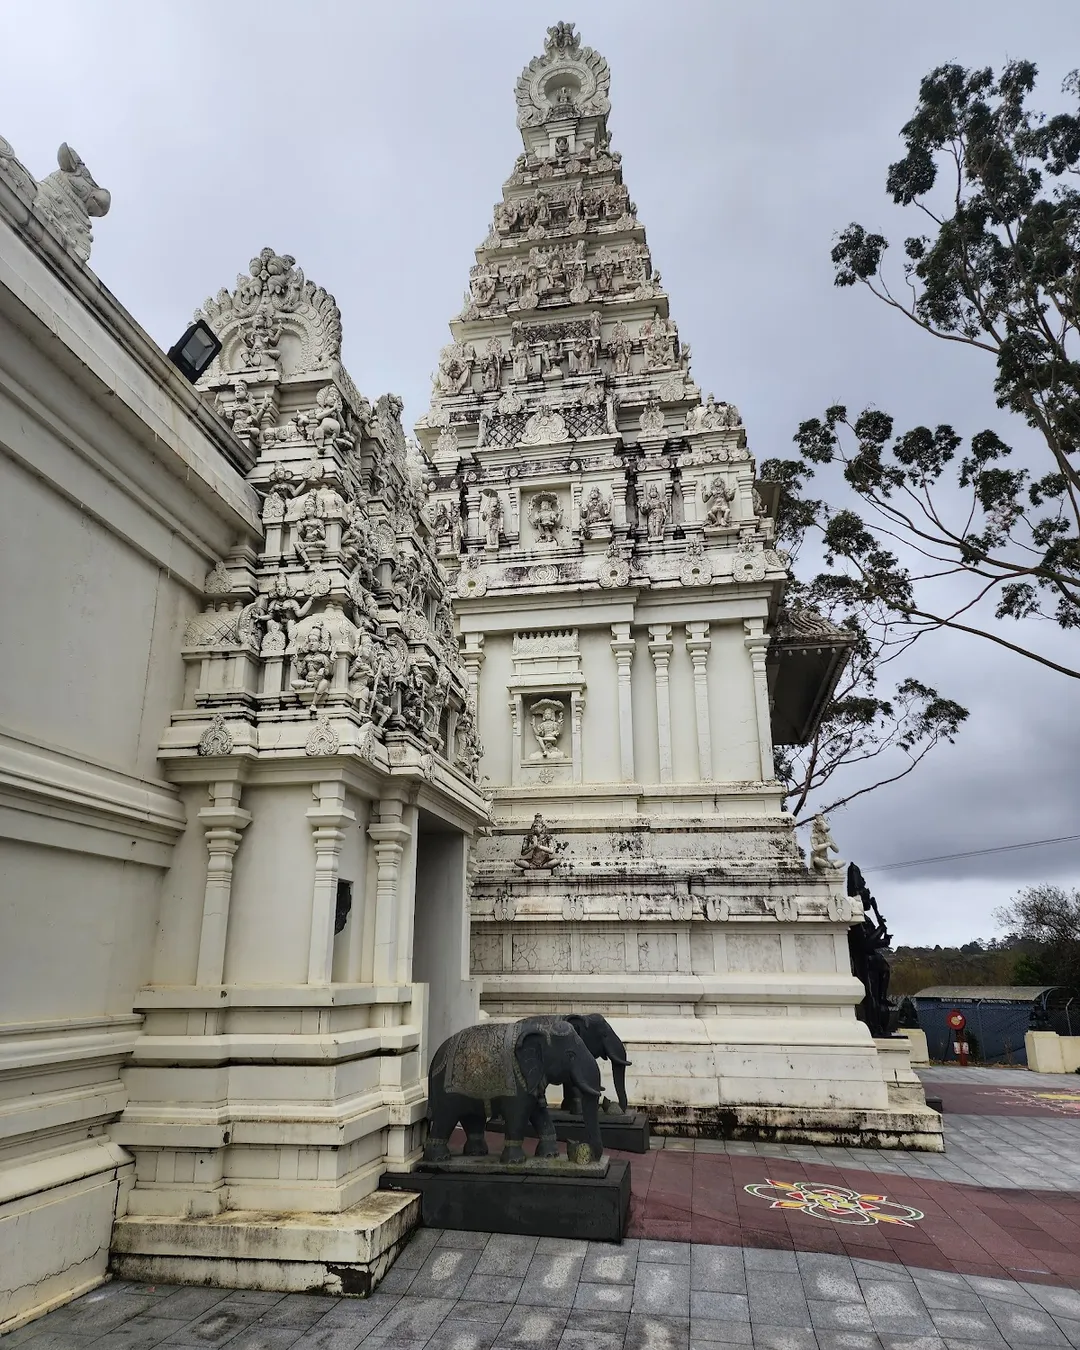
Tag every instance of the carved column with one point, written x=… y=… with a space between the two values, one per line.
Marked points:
x=389 y=835
x=223 y=820
x=623 y=646
x=756 y=642
x=473 y=658
x=661 y=648
x=698 y=643
x=327 y=821
x=577 y=710
x=517 y=725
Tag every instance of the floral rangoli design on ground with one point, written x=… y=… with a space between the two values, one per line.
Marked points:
x=835 y=1203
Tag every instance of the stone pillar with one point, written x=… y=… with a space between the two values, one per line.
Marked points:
x=756 y=642
x=389 y=835
x=577 y=710
x=473 y=658
x=517 y=723
x=698 y=643
x=623 y=646
x=223 y=820
x=661 y=648
x=327 y=821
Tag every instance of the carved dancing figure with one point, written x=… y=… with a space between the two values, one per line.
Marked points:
x=283 y=608
x=718 y=497
x=545 y=515
x=537 y=849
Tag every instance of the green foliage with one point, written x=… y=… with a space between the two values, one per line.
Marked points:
x=980 y=963
x=997 y=269
x=1047 y=919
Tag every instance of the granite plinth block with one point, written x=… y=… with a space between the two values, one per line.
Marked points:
x=626 y=1131
x=593 y=1208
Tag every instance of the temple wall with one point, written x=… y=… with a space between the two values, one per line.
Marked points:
x=113 y=501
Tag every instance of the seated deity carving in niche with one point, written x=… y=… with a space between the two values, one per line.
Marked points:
x=546 y=716
x=718 y=497
x=595 y=514
x=314 y=663
x=537 y=849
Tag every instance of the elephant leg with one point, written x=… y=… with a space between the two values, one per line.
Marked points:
x=474 y=1124
x=443 y=1119
x=571 y=1100
x=548 y=1145
x=515 y=1116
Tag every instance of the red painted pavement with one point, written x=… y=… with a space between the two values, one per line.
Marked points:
x=975 y=1099
x=700 y=1197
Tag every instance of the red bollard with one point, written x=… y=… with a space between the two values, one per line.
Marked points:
x=957 y=1022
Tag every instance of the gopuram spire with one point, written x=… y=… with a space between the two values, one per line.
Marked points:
x=565 y=362
x=618 y=601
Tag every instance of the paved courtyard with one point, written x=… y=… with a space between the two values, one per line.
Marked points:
x=779 y=1247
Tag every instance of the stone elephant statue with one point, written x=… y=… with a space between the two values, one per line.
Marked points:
x=602 y=1043
x=503 y=1068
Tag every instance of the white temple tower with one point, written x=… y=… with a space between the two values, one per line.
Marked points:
x=619 y=606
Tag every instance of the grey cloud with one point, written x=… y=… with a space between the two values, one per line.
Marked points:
x=371 y=142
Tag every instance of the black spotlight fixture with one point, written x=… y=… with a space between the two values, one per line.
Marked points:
x=195 y=350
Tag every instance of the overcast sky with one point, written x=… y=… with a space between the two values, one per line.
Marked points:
x=371 y=141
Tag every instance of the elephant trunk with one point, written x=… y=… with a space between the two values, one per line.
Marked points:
x=618 y=1073
x=591 y=1119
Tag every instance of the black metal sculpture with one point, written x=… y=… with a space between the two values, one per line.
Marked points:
x=868 y=945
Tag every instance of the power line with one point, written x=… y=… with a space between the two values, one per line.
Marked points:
x=974 y=853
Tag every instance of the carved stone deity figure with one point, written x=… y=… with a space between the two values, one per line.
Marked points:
x=718 y=497
x=327 y=424
x=314 y=663
x=261 y=337
x=520 y=357
x=363 y=673
x=483 y=282
x=243 y=412
x=283 y=609
x=821 y=845
x=491 y=365
x=546 y=517
x=659 y=341
x=547 y=724
x=551 y=360
x=491 y=513
x=537 y=849
x=621 y=345
x=68 y=198
x=595 y=513
x=310 y=530
x=655 y=512
x=455 y=368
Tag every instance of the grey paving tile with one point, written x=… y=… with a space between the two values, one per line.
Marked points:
x=48 y=1338
x=539 y=1327
x=551 y=1279
x=937 y=1295
x=361 y=1312
x=502 y=1289
x=459 y=1334
x=766 y=1259
x=662 y=1290
x=576 y=1338
x=330 y=1338
x=398 y=1278
x=1059 y=1302
x=647 y=1332
x=603 y=1298
x=879 y=1270
x=410 y=1323
x=416 y=1252
x=784 y=1338
x=445 y=1273
x=506 y=1254
x=222 y=1322
x=829 y=1277
x=848 y=1340
x=453 y=1237
x=717 y=1269
x=476 y=1310
x=549 y=1246
x=296 y=1310
x=970 y=1326
x=1070 y=1328
x=259 y=1298
x=1024 y=1325
x=664 y=1253
x=706 y=1335
x=268 y=1338
x=606 y=1264
x=776 y=1299
x=711 y=1305
x=1009 y=1291
x=187 y=1304
x=140 y=1333
x=838 y=1316
x=102 y=1311
x=913 y=1343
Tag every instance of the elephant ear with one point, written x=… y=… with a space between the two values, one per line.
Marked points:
x=530 y=1057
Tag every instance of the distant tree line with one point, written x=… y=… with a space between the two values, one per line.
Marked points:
x=1041 y=945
